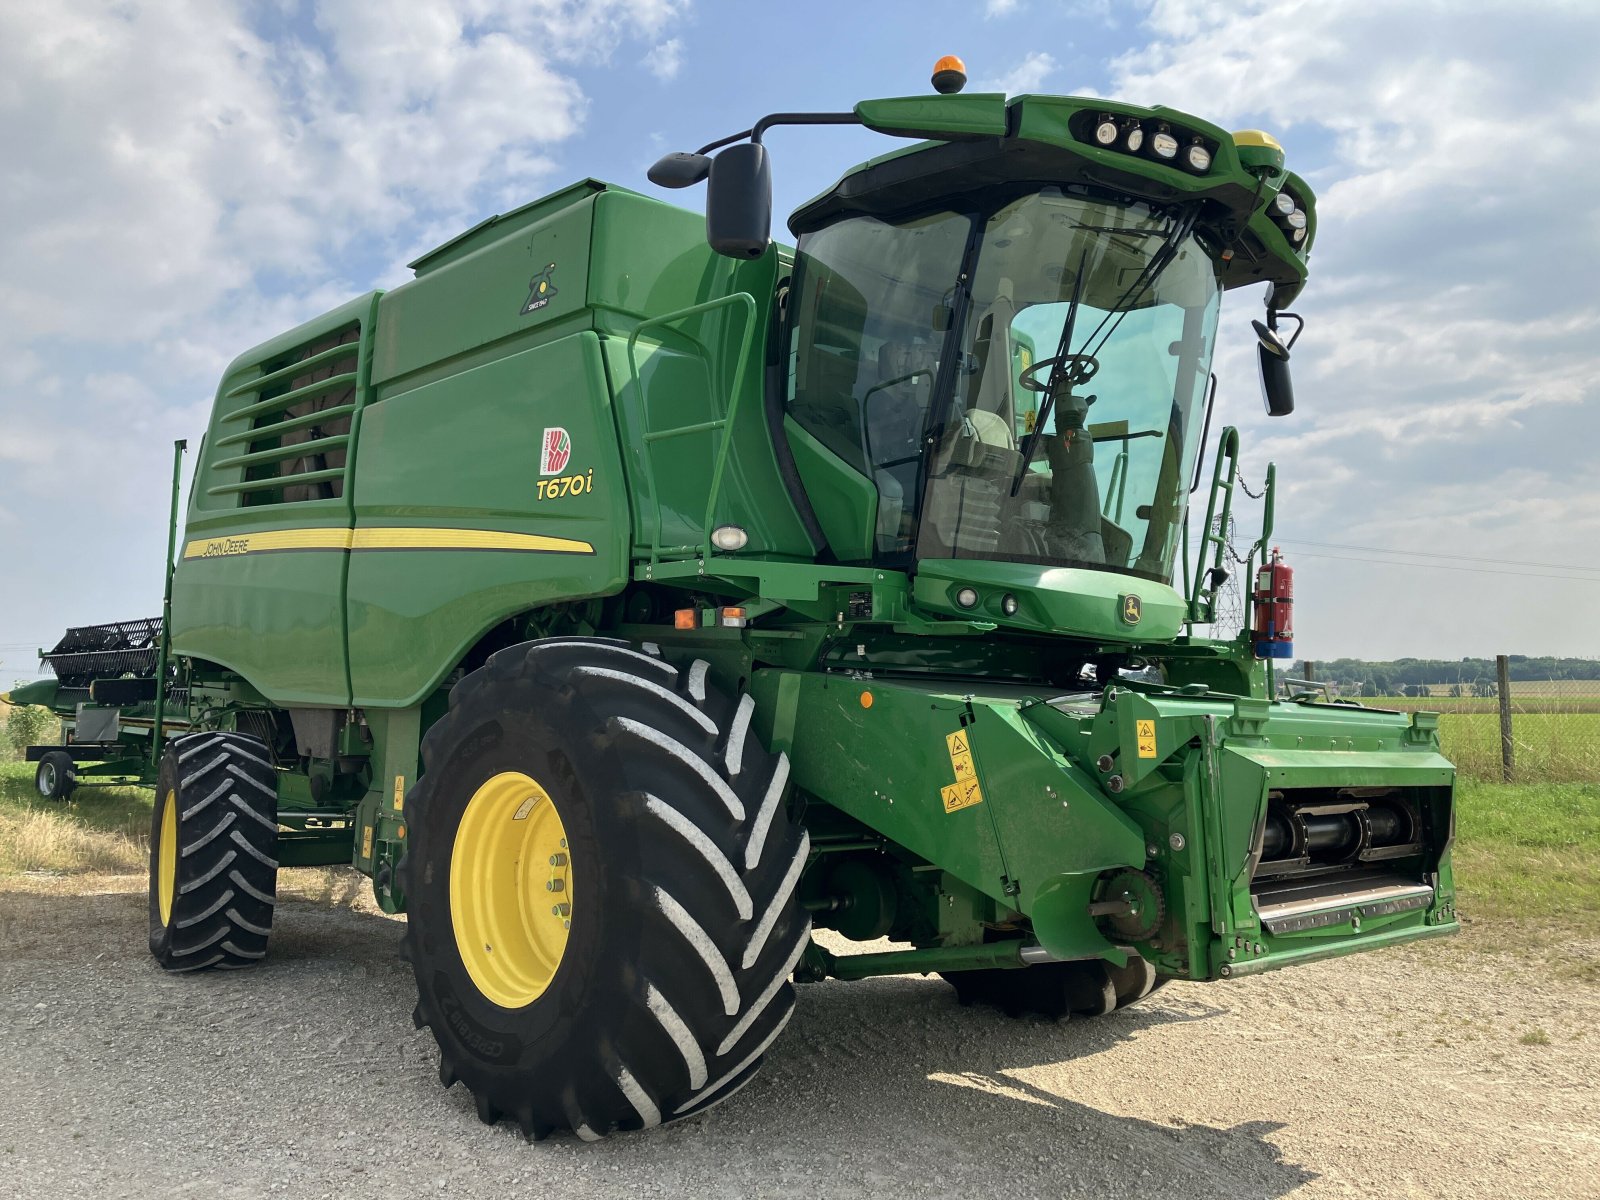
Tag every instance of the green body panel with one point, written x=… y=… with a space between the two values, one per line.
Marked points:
x=1093 y=604
x=973 y=115
x=275 y=617
x=438 y=602
x=845 y=501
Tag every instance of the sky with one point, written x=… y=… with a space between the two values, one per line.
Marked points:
x=181 y=179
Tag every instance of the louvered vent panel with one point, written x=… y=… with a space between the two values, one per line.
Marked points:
x=288 y=438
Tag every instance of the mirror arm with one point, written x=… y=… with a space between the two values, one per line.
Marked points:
x=1299 y=325
x=767 y=122
x=727 y=141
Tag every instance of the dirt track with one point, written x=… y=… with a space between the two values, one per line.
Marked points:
x=1399 y=1074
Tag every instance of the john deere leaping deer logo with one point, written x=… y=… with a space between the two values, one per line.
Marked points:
x=540 y=290
x=1132 y=609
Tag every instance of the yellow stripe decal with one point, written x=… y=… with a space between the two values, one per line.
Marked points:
x=380 y=539
x=463 y=539
x=268 y=539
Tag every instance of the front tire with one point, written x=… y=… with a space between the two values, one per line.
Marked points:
x=651 y=962
x=213 y=847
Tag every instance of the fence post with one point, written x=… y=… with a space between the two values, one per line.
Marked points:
x=1310 y=669
x=1508 y=752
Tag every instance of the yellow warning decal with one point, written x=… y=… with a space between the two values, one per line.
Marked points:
x=1146 y=733
x=384 y=538
x=957 y=796
x=964 y=792
x=366 y=842
x=399 y=793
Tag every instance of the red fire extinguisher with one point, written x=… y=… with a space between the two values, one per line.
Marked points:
x=1274 y=604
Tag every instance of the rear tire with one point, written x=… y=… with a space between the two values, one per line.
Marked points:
x=1091 y=988
x=213 y=852
x=680 y=867
x=56 y=776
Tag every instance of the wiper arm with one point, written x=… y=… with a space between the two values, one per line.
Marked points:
x=1063 y=353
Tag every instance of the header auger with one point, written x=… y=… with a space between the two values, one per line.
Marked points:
x=628 y=595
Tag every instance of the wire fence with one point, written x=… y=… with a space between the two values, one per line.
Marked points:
x=1532 y=731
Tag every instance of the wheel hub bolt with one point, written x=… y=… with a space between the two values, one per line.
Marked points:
x=561 y=910
x=556 y=885
x=558 y=860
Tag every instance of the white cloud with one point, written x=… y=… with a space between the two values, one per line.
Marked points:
x=666 y=60
x=999 y=8
x=185 y=178
x=1447 y=382
x=1026 y=76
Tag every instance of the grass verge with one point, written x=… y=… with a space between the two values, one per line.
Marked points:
x=100 y=830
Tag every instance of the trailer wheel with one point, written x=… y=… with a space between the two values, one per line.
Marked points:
x=600 y=879
x=57 y=775
x=213 y=847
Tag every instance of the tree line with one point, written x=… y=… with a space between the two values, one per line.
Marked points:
x=1462 y=677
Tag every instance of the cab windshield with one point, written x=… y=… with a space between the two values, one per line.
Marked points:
x=931 y=354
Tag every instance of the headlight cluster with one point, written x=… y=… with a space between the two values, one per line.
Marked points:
x=1155 y=139
x=1290 y=216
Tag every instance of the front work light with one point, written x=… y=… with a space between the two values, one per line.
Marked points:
x=1165 y=145
x=1198 y=158
x=1296 y=219
x=1135 y=138
x=1284 y=203
x=729 y=537
x=1106 y=132
x=967 y=598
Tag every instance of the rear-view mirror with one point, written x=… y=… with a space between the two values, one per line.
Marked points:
x=1277 y=390
x=739 y=201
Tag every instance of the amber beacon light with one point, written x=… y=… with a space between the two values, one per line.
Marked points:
x=949 y=75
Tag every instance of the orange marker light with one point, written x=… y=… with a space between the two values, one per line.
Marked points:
x=733 y=618
x=949 y=75
x=685 y=618
x=866 y=699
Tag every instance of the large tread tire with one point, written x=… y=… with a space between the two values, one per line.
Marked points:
x=685 y=924
x=56 y=776
x=225 y=804
x=1056 y=990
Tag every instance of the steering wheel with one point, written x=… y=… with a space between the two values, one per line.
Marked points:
x=1080 y=368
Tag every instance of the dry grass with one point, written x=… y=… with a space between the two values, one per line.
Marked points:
x=39 y=840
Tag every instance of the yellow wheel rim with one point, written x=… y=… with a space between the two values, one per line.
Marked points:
x=167 y=858
x=511 y=889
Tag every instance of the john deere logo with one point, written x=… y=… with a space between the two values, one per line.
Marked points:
x=540 y=290
x=554 y=451
x=1132 y=610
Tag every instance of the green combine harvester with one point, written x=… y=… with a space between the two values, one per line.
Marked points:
x=629 y=595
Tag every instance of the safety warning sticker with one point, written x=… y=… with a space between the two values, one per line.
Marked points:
x=964 y=792
x=1146 y=733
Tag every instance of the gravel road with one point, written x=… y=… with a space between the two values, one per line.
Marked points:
x=1401 y=1074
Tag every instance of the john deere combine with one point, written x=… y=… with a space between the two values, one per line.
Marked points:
x=627 y=606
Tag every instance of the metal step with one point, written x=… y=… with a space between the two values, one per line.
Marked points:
x=1292 y=907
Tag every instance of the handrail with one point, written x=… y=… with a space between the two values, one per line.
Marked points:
x=723 y=423
x=1213 y=536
